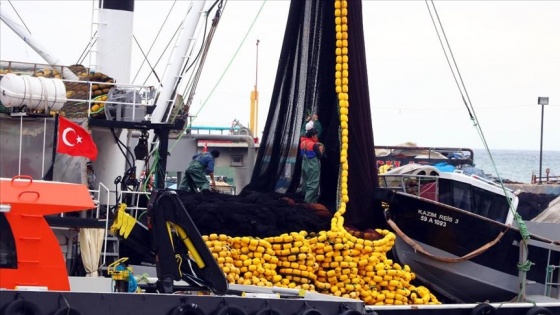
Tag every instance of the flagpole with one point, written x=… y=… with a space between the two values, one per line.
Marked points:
x=20 y=142
x=55 y=138
x=44 y=145
x=49 y=175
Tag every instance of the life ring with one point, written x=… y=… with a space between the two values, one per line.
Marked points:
x=230 y=310
x=483 y=309
x=187 y=309
x=351 y=312
x=21 y=306
x=268 y=311
x=311 y=311
x=67 y=311
x=538 y=311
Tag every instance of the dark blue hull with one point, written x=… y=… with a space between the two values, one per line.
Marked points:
x=468 y=257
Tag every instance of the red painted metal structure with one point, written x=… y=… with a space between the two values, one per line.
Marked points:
x=39 y=259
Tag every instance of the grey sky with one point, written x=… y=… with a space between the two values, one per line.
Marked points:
x=507 y=52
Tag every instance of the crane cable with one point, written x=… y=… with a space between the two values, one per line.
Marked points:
x=201 y=55
x=231 y=60
x=202 y=59
x=198 y=61
x=523 y=231
x=461 y=84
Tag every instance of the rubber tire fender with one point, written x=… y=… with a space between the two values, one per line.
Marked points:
x=311 y=311
x=268 y=311
x=21 y=306
x=230 y=310
x=187 y=309
x=484 y=309
x=538 y=311
x=67 y=311
x=351 y=312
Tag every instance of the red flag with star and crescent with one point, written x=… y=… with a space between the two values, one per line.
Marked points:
x=75 y=140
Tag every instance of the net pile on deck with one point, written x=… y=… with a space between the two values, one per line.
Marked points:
x=254 y=214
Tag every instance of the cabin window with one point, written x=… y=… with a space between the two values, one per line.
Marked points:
x=7 y=244
x=473 y=199
x=456 y=194
x=490 y=205
x=236 y=160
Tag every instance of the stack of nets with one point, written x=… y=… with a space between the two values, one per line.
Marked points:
x=253 y=213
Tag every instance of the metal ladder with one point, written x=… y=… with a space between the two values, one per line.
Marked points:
x=93 y=34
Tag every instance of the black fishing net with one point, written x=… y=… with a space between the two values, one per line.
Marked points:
x=532 y=204
x=305 y=84
x=253 y=213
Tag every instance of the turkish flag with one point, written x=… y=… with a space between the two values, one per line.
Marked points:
x=75 y=140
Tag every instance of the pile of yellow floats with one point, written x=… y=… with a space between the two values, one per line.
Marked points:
x=332 y=262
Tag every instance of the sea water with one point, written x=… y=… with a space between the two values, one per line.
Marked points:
x=517 y=165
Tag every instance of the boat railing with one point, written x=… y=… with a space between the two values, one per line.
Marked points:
x=548 y=178
x=93 y=95
x=29 y=68
x=112 y=101
x=100 y=195
x=552 y=281
x=136 y=202
x=426 y=186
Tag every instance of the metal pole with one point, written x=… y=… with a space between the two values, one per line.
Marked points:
x=540 y=159
x=257 y=65
x=256 y=113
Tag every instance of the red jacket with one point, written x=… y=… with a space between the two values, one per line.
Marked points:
x=310 y=148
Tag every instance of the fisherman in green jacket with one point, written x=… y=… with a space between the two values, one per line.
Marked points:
x=201 y=165
x=311 y=152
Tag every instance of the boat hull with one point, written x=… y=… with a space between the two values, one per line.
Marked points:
x=94 y=303
x=451 y=237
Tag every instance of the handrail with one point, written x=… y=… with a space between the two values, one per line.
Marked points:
x=549 y=282
x=134 y=208
x=146 y=93
x=405 y=180
x=106 y=190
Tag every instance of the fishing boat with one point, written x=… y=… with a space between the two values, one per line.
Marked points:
x=452 y=226
x=188 y=279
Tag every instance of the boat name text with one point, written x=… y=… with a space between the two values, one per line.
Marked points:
x=435 y=218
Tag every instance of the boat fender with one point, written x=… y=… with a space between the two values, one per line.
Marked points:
x=67 y=311
x=187 y=309
x=351 y=312
x=268 y=311
x=311 y=311
x=230 y=310
x=538 y=311
x=483 y=309
x=21 y=306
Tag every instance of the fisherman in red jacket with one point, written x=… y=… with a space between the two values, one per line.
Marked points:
x=312 y=152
